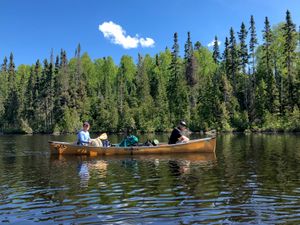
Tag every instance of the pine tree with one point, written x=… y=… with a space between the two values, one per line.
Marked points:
x=267 y=53
x=62 y=94
x=216 y=51
x=234 y=60
x=22 y=73
x=197 y=45
x=290 y=44
x=177 y=93
x=160 y=98
x=226 y=58
x=11 y=104
x=142 y=80
x=190 y=64
x=11 y=70
x=125 y=86
x=29 y=102
x=3 y=89
x=260 y=103
x=4 y=65
x=253 y=42
x=243 y=51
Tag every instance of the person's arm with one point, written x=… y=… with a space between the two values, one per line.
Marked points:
x=184 y=138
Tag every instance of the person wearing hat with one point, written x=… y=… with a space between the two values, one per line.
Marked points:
x=83 y=136
x=177 y=136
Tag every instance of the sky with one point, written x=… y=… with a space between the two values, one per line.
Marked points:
x=31 y=29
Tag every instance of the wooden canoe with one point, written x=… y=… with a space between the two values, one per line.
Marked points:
x=198 y=145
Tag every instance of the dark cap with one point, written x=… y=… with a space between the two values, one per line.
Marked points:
x=182 y=123
x=86 y=123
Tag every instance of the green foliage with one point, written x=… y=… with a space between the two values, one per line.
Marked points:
x=155 y=92
x=240 y=121
x=70 y=122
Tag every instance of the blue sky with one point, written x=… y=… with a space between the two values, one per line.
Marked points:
x=31 y=28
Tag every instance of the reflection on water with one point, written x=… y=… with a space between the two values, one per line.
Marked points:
x=252 y=179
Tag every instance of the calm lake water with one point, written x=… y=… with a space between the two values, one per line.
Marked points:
x=252 y=179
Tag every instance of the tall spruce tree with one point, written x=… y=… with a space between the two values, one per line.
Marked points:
x=253 y=42
x=272 y=100
x=11 y=104
x=226 y=58
x=3 y=88
x=160 y=71
x=177 y=92
x=216 y=51
x=4 y=65
x=124 y=81
x=29 y=106
x=190 y=64
x=11 y=69
x=62 y=85
x=234 y=60
x=290 y=44
x=243 y=51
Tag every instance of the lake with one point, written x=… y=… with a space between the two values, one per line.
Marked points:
x=252 y=179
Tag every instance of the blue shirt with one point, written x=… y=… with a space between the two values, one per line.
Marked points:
x=83 y=137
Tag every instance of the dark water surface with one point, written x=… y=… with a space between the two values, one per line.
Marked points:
x=252 y=179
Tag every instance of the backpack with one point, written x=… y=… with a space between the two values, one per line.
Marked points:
x=129 y=141
x=154 y=142
x=106 y=143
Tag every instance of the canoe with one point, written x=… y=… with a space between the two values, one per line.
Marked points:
x=198 y=145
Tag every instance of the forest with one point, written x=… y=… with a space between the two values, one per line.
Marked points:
x=249 y=86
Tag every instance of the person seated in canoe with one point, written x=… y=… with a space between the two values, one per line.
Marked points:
x=83 y=136
x=177 y=136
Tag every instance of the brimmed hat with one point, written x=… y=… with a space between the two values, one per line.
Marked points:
x=182 y=123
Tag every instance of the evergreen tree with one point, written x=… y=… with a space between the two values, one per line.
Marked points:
x=243 y=51
x=253 y=42
x=61 y=113
x=11 y=109
x=226 y=58
x=260 y=103
x=144 y=113
x=190 y=64
x=11 y=70
x=234 y=60
x=46 y=96
x=29 y=106
x=267 y=54
x=177 y=93
x=4 y=65
x=290 y=44
x=216 y=51
x=160 y=71
x=124 y=81
x=3 y=88
x=11 y=105
x=197 y=45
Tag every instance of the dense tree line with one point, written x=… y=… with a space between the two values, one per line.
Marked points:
x=248 y=86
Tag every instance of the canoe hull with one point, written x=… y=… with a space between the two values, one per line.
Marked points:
x=199 y=145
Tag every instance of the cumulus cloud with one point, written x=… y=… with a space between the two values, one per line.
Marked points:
x=146 y=42
x=117 y=35
x=212 y=43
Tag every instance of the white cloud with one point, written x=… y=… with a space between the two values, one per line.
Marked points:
x=147 y=42
x=117 y=35
x=212 y=43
